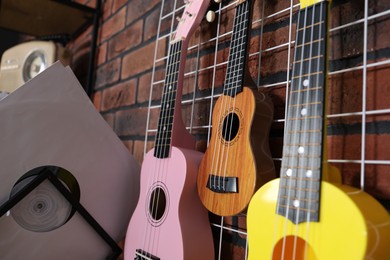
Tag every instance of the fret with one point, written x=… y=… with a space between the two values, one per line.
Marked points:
x=306 y=104
x=307 y=17
x=306 y=51
x=310 y=25
x=238 y=50
x=300 y=208
x=290 y=187
x=164 y=140
x=305 y=90
x=309 y=59
x=316 y=81
x=303 y=167
x=301 y=199
x=308 y=150
x=303 y=179
x=304 y=118
x=307 y=68
x=309 y=43
x=307 y=74
x=164 y=128
x=300 y=177
x=168 y=100
x=302 y=156
x=309 y=35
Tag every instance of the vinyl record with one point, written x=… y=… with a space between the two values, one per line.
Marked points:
x=50 y=123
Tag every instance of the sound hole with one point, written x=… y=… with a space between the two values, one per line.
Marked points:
x=231 y=124
x=293 y=247
x=157 y=204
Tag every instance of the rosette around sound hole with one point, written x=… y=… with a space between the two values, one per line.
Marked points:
x=44 y=208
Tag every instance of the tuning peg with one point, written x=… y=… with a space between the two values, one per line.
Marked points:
x=187 y=2
x=179 y=19
x=210 y=16
x=217 y=1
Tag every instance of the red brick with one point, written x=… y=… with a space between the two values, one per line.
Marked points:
x=131 y=122
x=97 y=99
x=345 y=91
x=110 y=119
x=113 y=25
x=376 y=181
x=139 y=147
x=151 y=25
x=153 y=119
x=119 y=95
x=272 y=7
x=107 y=9
x=82 y=41
x=348 y=147
x=137 y=8
x=145 y=81
x=108 y=73
x=140 y=60
x=125 y=40
x=227 y=19
x=118 y=4
x=199 y=113
x=102 y=53
x=189 y=84
x=278 y=97
x=91 y=3
x=129 y=145
x=229 y=250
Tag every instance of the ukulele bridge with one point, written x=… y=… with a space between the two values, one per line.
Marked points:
x=222 y=184
x=143 y=255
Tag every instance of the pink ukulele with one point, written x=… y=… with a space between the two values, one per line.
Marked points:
x=169 y=222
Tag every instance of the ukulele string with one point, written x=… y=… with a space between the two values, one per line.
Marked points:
x=219 y=145
x=237 y=68
x=151 y=176
x=307 y=126
x=318 y=96
x=169 y=119
x=294 y=148
x=286 y=150
x=151 y=237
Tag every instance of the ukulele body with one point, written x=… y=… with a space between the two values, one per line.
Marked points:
x=352 y=225
x=244 y=155
x=181 y=230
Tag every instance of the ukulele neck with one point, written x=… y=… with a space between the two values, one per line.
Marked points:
x=169 y=99
x=238 y=49
x=300 y=176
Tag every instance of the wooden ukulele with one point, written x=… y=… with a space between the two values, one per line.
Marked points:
x=237 y=160
x=301 y=216
x=169 y=221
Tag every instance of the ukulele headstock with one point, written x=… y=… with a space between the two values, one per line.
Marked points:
x=191 y=18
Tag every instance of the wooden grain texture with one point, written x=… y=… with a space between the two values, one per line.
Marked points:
x=246 y=156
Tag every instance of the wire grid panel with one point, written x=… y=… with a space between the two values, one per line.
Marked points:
x=358 y=85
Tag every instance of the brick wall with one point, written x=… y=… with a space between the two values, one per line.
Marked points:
x=127 y=41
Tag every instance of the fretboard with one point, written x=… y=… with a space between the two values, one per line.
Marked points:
x=167 y=109
x=300 y=176
x=238 y=50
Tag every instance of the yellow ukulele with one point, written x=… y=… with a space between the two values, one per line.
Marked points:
x=231 y=171
x=300 y=216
